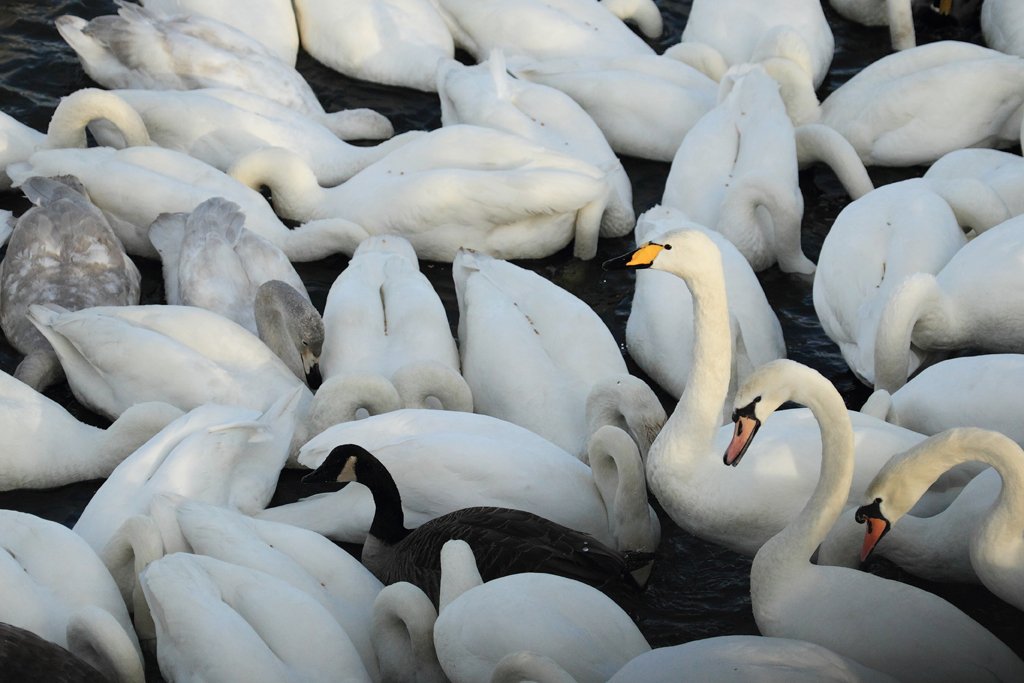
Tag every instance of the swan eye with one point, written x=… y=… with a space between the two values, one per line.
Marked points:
x=666 y=247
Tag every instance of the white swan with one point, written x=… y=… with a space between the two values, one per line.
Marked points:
x=970 y=391
x=460 y=186
x=996 y=538
x=446 y=460
x=538 y=29
x=166 y=181
x=47 y=447
x=536 y=355
x=644 y=104
x=740 y=510
x=898 y=15
x=383 y=317
x=953 y=308
x=403 y=634
x=894 y=114
x=61 y=251
x=80 y=610
x=487 y=95
x=736 y=172
x=212 y=261
x=574 y=624
x=1000 y=173
x=898 y=629
x=1002 y=25
x=220 y=126
x=304 y=559
x=394 y=42
x=660 y=328
x=217 y=621
x=271 y=22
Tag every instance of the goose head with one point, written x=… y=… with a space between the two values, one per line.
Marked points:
x=341 y=466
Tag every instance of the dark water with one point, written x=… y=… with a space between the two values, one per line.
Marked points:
x=697 y=589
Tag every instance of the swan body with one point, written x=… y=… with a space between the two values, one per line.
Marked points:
x=697 y=493
x=220 y=126
x=394 y=42
x=574 y=624
x=79 y=610
x=1002 y=25
x=167 y=181
x=946 y=311
x=383 y=317
x=61 y=251
x=736 y=172
x=550 y=29
x=896 y=628
x=271 y=22
x=660 y=329
x=893 y=113
x=896 y=14
x=217 y=621
x=644 y=104
x=875 y=242
x=445 y=460
x=509 y=541
x=47 y=447
x=487 y=95
x=1001 y=172
x=460 y=186
x=536 y=355
x=997 y=537
x=403 y=632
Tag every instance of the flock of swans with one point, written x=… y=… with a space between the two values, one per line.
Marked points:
x=496 y=459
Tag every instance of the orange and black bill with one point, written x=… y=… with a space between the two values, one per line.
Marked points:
x=746 y=426
x=641 y=257
x=877 y=526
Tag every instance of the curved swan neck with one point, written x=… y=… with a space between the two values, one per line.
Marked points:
x=77 y=110
x=915 y=298
x=317 y=239
x=459 y=572
x=525 y=665
x=294 y=188
x=619 y=475
x=744 y=206
x=816 y=142
x=901 y=24
x=403 y=634
x=974 y=203
x=97 y=637
x=340 y=399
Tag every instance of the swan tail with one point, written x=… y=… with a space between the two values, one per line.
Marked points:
x=48 y=189
x=357 y=124
x=97 y=637
x=432 y=384
x=816 y=142
x=218 y=214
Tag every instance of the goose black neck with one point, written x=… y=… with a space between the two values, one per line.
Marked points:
x=388 y=519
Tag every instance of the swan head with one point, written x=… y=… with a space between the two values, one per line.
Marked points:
x=878 y=525
x=686 y=253
x=340 y=465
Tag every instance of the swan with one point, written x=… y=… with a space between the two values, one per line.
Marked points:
x=644 y=104
x=736 y=172
x=896 y=628
x=893 y=112
x=67 y=128
x=1001 y=174
x=220 y=126
x=536 y=355
x=304 y=559
x=480 y=622
x=660 y=329
x=487 y=95
x=24 y=656
x=394 y=42
x=970 y=391
x=61 y=251
x=80 y=610
x=137 y=48
x=403 y=631
x=212 y=261
x=168 y=181
x=946 y=311
x=46 y=447
x=271 y=22
x=460 y=186
x=217 y=621
x=996 y=540
x=445 y=460
x=383 y=317
x=701 y=497
x=1002 y=25
x=549 y=29
x=898 y=15
x=509 y=541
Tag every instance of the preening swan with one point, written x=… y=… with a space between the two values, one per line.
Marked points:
x=80 y=610
x=536 y=355
x=574 y=624
x=62 y=251
x=460 y=186
x=394 y=42
x=487 y=95
x=222 y=622
x=508 y=541
x=383 y=318
x=403 y=633
x=896 y=628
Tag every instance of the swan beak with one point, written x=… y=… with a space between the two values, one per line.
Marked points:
x=743 y=434
x=945 y=7
x=642 y=257
x=877 y=527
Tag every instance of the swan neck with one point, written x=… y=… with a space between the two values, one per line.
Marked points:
x=295 y=191
x=917 y=296
x=77 y=110
x=402 y=633
x=318 y=239
x=619 y=476
x=901 y=24
x=816 y=142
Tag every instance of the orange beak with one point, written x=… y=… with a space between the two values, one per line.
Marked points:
x=743 y=433
x=876 y=529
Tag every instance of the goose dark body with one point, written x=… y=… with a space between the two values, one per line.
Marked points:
x=27 y=658
x=505 y=541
